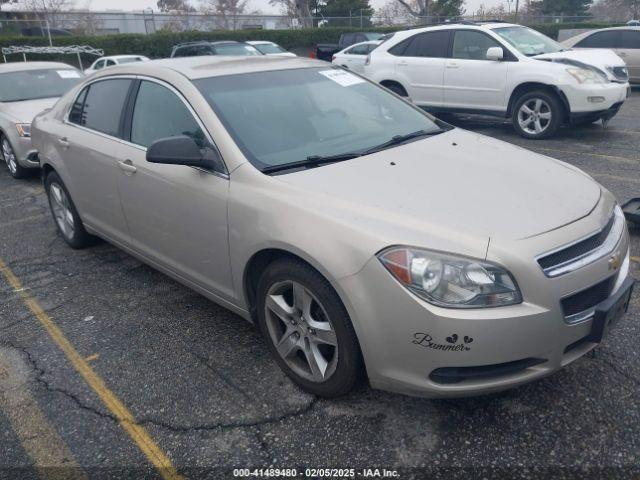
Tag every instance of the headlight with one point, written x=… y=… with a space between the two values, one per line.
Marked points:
x=24 y=129
x=583 y=75
x=451 y=281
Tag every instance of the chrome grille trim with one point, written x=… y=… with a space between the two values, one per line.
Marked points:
x=591 y=256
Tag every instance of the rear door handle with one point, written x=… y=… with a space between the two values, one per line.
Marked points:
x=402 y=64
x=127 y=166
x=64 y=143
x=452 y=65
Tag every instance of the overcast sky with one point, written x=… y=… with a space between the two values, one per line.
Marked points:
x=263 y=5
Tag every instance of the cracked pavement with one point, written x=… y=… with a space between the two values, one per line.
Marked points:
x=202 y=383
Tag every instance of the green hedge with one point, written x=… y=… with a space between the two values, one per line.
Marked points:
x=158 y=45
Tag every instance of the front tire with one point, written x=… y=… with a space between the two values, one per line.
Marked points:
x=307 y=329
x=537 y=115
x=8 y=155
x=65 y=214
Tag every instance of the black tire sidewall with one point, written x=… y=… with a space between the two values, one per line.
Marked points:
x=80 y=237
x=349 y=365
x=556 y=113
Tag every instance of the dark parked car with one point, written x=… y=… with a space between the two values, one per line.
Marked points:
x=324 y=51
x=228 y=47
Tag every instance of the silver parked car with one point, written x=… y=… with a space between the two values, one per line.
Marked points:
x=361 y=234
x=27 y=88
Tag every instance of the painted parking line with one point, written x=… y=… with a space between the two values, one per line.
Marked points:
x=50 y=454
x=635 y=259
x=125 y=418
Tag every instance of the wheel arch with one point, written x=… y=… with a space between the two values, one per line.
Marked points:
x=525 y=87
x=388 y=81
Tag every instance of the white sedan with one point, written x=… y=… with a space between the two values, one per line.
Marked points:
x=270 y=48
x=353 y=57
x=114 y=60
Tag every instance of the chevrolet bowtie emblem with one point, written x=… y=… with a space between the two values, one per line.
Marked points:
x=614 y=261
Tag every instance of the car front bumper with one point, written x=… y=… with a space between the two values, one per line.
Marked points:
x=25 y=153
x=585 y=99
x=413 y=347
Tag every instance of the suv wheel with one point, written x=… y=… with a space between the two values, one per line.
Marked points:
x=65 y=214
x=395 y=88
x=307 y=329
x=537 y=114
x=10 y=159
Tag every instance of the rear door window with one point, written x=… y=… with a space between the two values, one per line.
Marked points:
x=429 y=44
x=103 y=105
x=630 y=39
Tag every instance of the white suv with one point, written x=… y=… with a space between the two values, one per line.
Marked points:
x=501 y=69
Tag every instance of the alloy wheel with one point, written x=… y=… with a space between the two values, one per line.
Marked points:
x=62 y=210
x=534 y=116
x=9 y=156
x=301 y=331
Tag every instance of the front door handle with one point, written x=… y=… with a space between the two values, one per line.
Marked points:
x=64 y=143
x=127 y=166
x=452 y=65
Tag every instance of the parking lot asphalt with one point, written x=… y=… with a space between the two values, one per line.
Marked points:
x=204 y=393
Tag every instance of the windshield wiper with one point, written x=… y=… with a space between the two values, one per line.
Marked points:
x=399 y=139
x=312 y=161
x=317 y=160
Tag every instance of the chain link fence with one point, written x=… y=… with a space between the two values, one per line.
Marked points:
x=52 y=25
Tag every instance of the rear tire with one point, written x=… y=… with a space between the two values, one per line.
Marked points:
x=8 y=155
x=65 y=215
x=307 y=329
x=537 y=114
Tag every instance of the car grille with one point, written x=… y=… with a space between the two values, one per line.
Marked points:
x=586 y=300
x=584 y=251
x=448 y=375
x=577 y=249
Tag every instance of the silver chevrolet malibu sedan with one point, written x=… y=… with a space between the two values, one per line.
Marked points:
x=363 y=236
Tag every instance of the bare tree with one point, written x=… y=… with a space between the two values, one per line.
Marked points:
x=616 y=10
x=227 y=10
x=298 y=10
x=8 y=2
x=47 y=10
x=393 y=13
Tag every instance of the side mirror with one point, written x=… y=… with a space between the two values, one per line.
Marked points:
x=183 y=150
x=495 y=53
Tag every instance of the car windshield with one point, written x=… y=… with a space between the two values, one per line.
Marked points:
x=129 y=60
x=235 y=49
x=268 y=48
x=286 y=116
x=528 y=41
x=34 y=84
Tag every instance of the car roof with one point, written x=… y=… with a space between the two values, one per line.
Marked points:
x=122 y=56
x=214 y=66
x=21 y=66
x=260 y=42
x=200 y=42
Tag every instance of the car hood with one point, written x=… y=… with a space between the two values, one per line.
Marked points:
x=457 y=181
x=24 y=112
x=599 y=58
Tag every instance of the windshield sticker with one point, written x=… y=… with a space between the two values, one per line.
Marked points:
x=68 y=74
x=341 y=77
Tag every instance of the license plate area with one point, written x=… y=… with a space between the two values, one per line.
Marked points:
x=608 y=313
